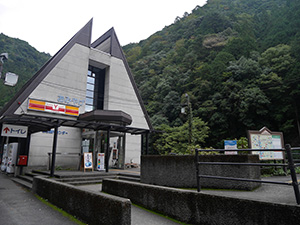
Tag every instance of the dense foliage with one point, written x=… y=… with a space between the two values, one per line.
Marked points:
x=23 y=60
x=238 y=60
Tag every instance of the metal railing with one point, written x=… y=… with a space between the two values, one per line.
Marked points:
x=290 y=165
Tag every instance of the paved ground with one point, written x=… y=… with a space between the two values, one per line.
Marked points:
x=20 y=207
x=138 y=216
x=281 y=194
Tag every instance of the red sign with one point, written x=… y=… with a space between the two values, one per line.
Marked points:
x=53 y=107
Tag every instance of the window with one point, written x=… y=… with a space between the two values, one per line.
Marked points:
x=94 y=89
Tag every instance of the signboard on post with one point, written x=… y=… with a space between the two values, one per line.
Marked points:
x=266 y=139
x=230 y=145
x=88 y=161
x=100 y=161
x=9 y=130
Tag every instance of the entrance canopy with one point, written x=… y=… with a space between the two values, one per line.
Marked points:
x=42 y=123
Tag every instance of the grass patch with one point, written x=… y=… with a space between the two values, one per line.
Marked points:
x=65 y=214
x=169 y=218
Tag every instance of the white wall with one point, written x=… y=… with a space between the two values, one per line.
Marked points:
x=121 y=96
x=67 y=79
x=69 y=141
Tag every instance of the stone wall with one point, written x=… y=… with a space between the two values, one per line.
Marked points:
x=90 y=207
x=199 y=208
x=180 y=171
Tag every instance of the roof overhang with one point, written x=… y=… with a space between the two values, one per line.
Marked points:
x=107 y=116
x=41 y=123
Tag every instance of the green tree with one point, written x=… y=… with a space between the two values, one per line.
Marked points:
x=175 y=139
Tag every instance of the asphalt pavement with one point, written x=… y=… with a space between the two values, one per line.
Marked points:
x=19 y=206
x=139 y=216
x=272 y=193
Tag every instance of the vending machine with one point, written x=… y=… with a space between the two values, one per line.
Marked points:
x=12 y=152
x=4 y=159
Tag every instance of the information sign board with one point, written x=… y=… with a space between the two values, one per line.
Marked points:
x=230 y=145
x=265 y=139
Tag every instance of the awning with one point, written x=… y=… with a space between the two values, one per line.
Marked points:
x=107 y=116
x=42 y=123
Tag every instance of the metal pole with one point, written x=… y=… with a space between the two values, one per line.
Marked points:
x=142 y=144
x=54 y=145
x=293 y=173
x=197 y=170
x=107 y=154
x=190 y=118
x=147 y=143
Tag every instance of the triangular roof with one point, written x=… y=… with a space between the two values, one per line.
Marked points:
x=82 y=37
x=115 y=50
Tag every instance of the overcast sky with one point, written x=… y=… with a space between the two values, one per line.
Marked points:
x=48 y=25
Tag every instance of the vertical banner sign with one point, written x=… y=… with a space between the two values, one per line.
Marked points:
x=100 y=161
x=88 y=161
x=230 y=145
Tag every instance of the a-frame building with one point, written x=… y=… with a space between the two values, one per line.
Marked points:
x=87 y=94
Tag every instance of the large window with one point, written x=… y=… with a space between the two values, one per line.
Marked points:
x=94 y=89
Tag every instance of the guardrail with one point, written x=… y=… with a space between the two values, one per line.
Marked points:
x=290 y=165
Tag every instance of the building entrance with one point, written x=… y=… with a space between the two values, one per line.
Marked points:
x=96 y=142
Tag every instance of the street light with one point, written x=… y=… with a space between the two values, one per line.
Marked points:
x=190 y=116
x=9 y=78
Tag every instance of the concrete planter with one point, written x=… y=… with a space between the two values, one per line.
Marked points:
x=180 y=171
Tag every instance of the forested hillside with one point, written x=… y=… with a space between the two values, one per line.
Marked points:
x=23 y=60
x=239 y=62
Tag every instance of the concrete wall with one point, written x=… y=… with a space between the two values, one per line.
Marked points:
x=180 y=171
x=199 y=208
x=67 y=79
x=69 y=141
x=90 y=207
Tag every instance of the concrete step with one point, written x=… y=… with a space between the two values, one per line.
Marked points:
x=22 y=182
x=85 y=178
x=26 y=178
x=129 y=175
x=85 y=182
x=31 y=174
x=38 y=172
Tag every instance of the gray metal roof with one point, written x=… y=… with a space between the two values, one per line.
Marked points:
x=82 y=37
x=43 y=123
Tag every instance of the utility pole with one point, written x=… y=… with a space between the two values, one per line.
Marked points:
x=190 y=117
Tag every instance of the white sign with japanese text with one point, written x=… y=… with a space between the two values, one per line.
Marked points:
x=14 y=131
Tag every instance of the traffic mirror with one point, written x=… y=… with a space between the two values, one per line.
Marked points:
x=11 y=79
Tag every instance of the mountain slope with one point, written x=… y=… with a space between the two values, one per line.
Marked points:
x=23 y=60
x=237 y=60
